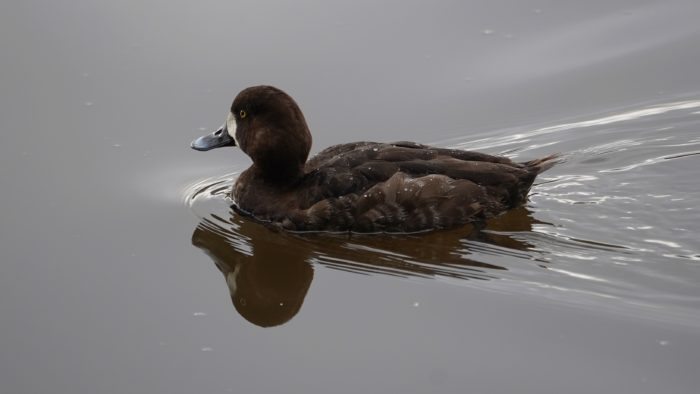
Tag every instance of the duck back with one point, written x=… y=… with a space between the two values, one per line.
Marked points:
x=396 y=187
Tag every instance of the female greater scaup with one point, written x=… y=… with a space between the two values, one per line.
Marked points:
x=360 y=186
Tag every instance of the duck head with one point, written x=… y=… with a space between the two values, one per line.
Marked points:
x=268 y=126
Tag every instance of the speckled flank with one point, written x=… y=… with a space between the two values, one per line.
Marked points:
x=404 y=196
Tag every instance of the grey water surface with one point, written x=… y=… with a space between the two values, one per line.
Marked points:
x=123 y=269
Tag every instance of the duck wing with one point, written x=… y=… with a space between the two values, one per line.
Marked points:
x=405 y=187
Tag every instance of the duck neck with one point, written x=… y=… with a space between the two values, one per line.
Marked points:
x=278 y=172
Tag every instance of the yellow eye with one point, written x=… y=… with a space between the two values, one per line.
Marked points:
x=242 y=114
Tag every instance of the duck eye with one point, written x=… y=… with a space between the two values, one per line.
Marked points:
x=242 y=114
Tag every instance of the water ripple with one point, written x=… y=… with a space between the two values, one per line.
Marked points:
x=608 y=224
x=523 y=137
x=653 y=160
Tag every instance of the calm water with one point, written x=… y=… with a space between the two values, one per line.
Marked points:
x=123 y=270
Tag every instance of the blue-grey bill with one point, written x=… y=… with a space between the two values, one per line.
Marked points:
x=216 y=139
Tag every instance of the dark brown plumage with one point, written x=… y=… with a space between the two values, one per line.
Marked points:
x=360 y=186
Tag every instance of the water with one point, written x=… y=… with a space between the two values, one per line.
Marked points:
x=592 y=234
x=123 y=269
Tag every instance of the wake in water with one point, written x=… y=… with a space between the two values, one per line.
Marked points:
x=614 y=227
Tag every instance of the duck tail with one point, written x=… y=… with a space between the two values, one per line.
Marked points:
x=542 y=164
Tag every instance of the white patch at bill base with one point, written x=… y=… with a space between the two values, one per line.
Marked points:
x=231 y=127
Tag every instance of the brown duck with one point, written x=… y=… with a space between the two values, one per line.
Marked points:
x=359 y=186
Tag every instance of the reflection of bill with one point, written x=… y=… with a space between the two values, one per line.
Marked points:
x=269 y=273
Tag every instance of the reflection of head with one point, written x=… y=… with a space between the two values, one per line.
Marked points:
x=268 y=286
x=270 y=290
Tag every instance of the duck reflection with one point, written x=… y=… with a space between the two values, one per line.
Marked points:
x=268 y=273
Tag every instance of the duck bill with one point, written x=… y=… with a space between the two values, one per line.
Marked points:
x=216 y=139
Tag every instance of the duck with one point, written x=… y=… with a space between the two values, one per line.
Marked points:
x=359 y=187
